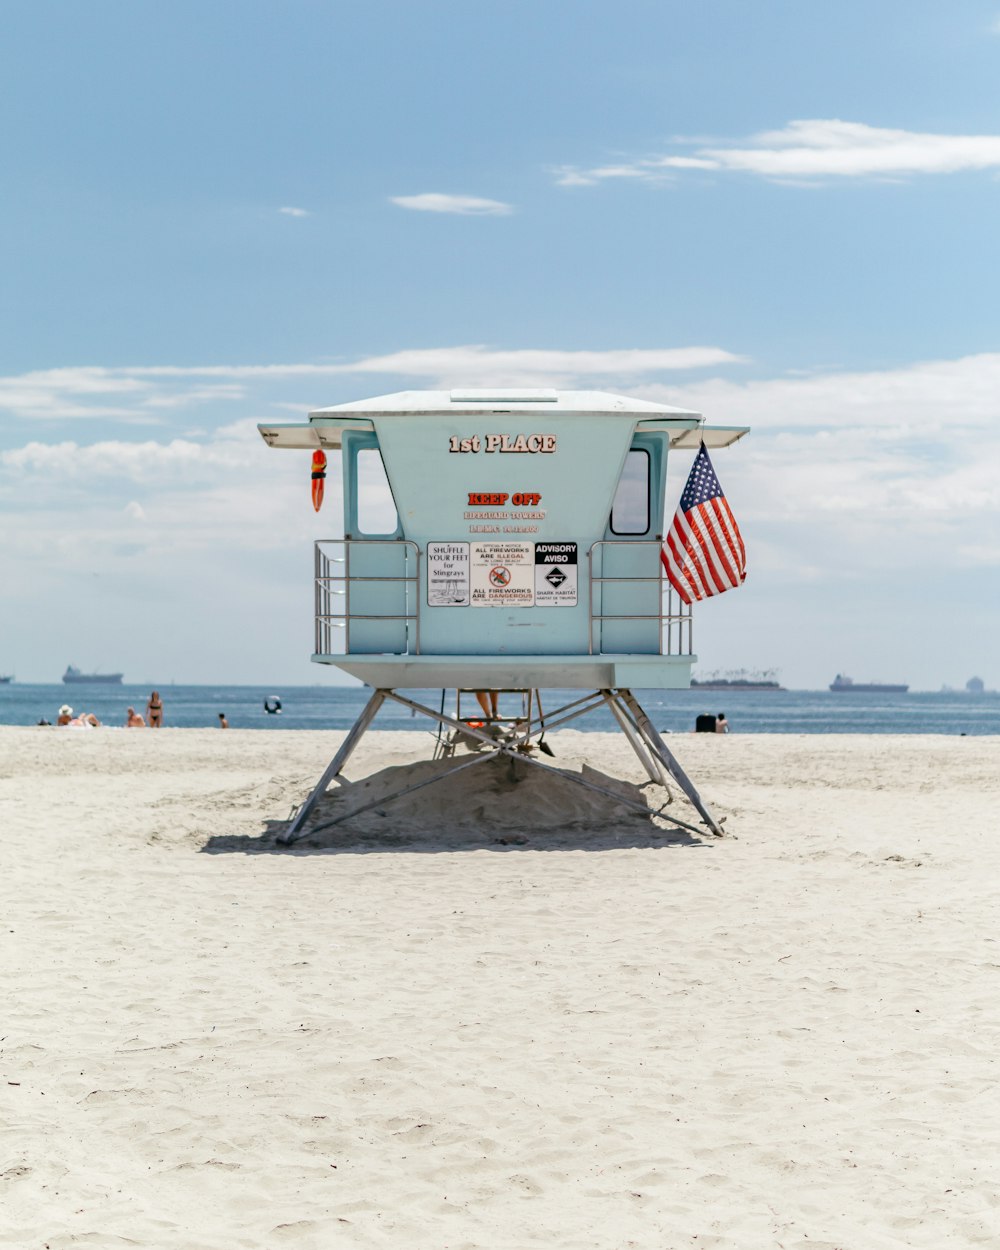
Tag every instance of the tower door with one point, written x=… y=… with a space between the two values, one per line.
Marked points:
x=627 y=562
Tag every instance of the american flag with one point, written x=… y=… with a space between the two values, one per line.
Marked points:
x=703 y=553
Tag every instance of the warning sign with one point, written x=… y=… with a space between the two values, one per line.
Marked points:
x=501 y=575
x=555 y=575
x=447 y=575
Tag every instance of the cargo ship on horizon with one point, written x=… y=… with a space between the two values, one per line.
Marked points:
x=841 y=684
x=73 y=677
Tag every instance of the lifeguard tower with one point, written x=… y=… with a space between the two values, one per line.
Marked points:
x=503 y=540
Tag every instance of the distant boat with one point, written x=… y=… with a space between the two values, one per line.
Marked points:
x=73 y=677
x=739 y=680
x=5 y=680
x=738 y=683
x=841 y=683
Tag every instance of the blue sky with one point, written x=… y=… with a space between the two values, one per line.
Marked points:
x=781 y=214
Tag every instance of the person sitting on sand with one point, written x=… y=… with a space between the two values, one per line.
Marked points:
x=133 y=720
x=223 y=723
x=721 y=724
x=65 y=715
x=154 y=710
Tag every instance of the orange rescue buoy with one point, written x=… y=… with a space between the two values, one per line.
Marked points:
x=318 y=478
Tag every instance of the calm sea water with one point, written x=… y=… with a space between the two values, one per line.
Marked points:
x=330 y=707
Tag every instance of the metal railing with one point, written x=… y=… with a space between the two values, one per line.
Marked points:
x=674 y=615
x=334 y=579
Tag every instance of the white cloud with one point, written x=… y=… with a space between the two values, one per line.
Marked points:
x=810 y=149
x=463 y=205
x=295 y=212
x=928 y=396
x=919 y=442
x=450 y=365
x=853 y=489
x=886 y=470
x=133 y=396
x=68 y=463
x=148 y=394
x=940 y=399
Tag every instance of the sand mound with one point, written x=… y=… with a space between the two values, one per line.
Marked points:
x=485 y=800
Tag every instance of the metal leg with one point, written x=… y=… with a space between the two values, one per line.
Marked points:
x=654 y=769
x=294 y=831
x=507 y=750
x=649 y=747
x=673 y=767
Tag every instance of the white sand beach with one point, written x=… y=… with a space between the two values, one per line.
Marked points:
x=503 y=1015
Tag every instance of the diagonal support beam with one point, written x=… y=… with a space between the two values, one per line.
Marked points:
x=294 y=831
x=660 y=748
x=654 y=769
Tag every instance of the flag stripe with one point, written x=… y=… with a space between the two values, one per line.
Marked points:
x=679 y=577
x=701 y=526
x=724 y=543
x=733 y=538
x=693 y=551
x=703 y=553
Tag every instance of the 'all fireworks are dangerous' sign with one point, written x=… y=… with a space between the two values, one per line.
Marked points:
x=502 y=575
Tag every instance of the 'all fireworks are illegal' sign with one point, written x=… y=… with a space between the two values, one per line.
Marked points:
x=502 y=575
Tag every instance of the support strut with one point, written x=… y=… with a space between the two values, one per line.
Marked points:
x=650 y=749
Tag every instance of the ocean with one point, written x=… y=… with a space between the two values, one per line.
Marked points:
x=672 y=711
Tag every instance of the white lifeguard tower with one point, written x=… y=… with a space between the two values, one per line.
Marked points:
x=503 y=540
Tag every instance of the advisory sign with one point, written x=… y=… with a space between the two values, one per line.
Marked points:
x=501 y=575
x=555 y=575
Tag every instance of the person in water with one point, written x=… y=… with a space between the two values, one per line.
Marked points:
x=223 y=723
x=154 y=710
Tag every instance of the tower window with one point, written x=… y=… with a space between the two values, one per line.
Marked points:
x=630 y=511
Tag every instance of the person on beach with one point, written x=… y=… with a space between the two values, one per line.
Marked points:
x=154 y=710
x=133 y=720
x=86 y=720
x=223 y=723
x=721 y=724
x=65 y=715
